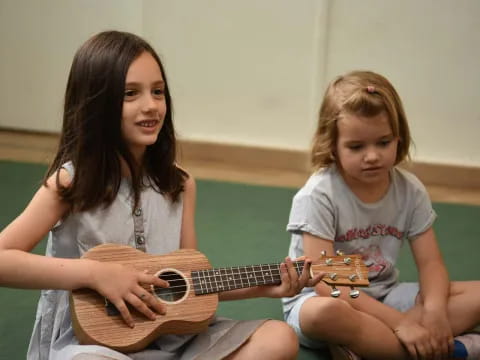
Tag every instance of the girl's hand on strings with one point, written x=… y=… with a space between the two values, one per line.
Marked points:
x=122 y=285
x=292 y=283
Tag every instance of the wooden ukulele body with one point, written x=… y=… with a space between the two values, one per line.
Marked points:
x=189 y=314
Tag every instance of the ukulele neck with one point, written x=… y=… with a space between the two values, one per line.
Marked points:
x=238 y=277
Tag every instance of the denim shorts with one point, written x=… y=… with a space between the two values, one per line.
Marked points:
x=401 y=297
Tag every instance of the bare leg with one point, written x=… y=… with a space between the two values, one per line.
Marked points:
x=463 y=306
x=336 y=321
x=274 y=340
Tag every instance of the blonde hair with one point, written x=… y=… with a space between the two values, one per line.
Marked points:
x=362 y=93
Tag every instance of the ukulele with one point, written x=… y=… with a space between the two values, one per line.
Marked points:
x=192 y=296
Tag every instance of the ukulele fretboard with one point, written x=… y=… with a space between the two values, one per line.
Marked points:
x=231 y=278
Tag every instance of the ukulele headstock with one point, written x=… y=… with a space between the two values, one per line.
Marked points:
x=342 y=270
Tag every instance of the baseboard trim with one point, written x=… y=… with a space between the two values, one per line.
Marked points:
x=447 y=174
x=244 y=156
x=22 y=144
x=297 y=161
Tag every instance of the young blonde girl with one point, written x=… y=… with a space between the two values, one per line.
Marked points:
x=360 y=201
x=114 y=180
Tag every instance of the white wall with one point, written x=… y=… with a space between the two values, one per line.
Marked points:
x=430 y=50
x=252 y=72
x=240 y=71
x=38 y=40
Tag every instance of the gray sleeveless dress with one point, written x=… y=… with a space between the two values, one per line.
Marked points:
x=155 y=229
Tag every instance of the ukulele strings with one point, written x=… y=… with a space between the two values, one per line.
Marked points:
x=214 y=277
x=259 y=277
x=256 y=269
x=210 y=284
x=214 y=283
x=212 y=274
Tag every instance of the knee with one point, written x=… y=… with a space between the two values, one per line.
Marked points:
x=279 y=340
x=324 y=318
x=324 y=310
x=329 y=307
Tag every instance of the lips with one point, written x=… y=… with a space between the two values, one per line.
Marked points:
x=147 y=123
x=372 y=169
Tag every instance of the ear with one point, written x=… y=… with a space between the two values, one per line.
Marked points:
x=333 y=151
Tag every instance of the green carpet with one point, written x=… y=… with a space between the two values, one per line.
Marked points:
x=237 y=224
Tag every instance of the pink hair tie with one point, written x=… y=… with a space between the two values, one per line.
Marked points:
x=371 y=89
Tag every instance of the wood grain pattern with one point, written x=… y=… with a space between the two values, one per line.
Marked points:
x=339 y=273
x=93 y=326
x=192 y=312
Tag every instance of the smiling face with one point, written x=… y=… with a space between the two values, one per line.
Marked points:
x=144 y=105
x=366 y=150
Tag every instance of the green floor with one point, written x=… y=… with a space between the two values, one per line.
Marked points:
x=236 y=224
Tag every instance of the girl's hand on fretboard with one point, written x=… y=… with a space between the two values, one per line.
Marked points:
x=292 y=282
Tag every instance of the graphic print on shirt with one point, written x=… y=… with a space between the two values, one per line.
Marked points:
x=372 y=230
x=376 y=262
x=379 y=267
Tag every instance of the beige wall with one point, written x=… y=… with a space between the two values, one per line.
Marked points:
x=38 y=39
x=252 y=72
x=241 y=71
x=430 y=50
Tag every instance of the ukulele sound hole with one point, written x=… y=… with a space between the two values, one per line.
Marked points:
x=176 y=291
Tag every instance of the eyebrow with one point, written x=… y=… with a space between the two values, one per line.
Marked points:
x=156 y=83
x=352 y=141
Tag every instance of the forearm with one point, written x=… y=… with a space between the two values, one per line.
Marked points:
x=21 y=269
x=432 y=273
x=434 y=286
x=240 y=294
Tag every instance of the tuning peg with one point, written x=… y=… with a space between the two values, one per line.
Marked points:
x=333 y=276
x=339 y=252
x=335 y=292
x=329 y=261
x=354 y=293
x=323 y=253
x=353 y=277
x=347 y=260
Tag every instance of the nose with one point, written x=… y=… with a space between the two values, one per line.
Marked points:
x=149 y=104
x=371 y=155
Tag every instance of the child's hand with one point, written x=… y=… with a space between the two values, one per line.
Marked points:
x=311 y=282
x=291 y=283
x=436 y=322
x=415 y=338
x=121 y=285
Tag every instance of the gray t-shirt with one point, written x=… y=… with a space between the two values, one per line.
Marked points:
x=327 y=208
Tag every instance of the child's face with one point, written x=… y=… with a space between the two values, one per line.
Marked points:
x=366 y=148
x=144 y=104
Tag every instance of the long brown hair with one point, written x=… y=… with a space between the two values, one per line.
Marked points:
x=91 y=135
x=362 y=93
